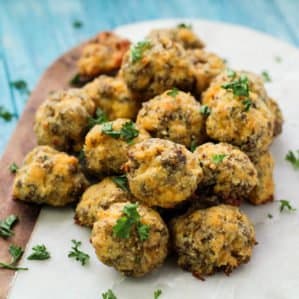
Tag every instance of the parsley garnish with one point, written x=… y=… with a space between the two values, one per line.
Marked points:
x=100 y=117
x=183 y=25
x=205 y=110
x=77 y=24
x=16 y=253
x=40 y=252
x=157 y=293
x=76 y=80
x=285 y=205
x=138 y=49
x=247 y=104
x=270 y=216
x=5 y=114
x=21 y=86
x=128 y=132
x=293 y=158
x=266 y=77
x=6 y=226
x=173 y=92
x=230 y=73
x=13 y=167
x=124 y=225
x=109 y=295
x=121 y=181
x=239 y=87
x=218 y=158
x=79 y=255
x=193 y=146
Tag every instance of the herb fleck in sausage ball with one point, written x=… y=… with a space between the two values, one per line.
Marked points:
x=215 y=239
x=161 y=172
x=133 y=250
x=62 y=120
x=181 y=34
x=106 y=145
x=264 y=191
x=113 y=97
x=173 y=115
x=150 y=68
x=99 y=196
x=238 y=115
x=278 y=118
x=49 y=177
x=206 y=66
x=102 y=55
x=228 y=172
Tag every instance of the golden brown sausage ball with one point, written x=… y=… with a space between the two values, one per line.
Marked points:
x=244 y=121
x=264 y=191
x=131 y=256
x=62 y=120
x=278 y=118
x=99 y=196
x=150 y=68
x=105 y=150
x=215 y=239
x=49 y=177
x=181 y=34
x=162 y=173
x=103 y=54
x=113 y=97
x=206 y=67
x=228 y=172
x=173 y=115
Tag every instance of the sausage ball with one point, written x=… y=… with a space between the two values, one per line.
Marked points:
x=244 y=121
x=49 y=177
x=113 y=97
x=173 y=115
x=62 y=120
x=181 y=34
x=102 y=55
x=206 y=66
x=131 y=256
x=215 y=239
x=264 y=191
x=106 y=146
x=162 y=173
x=99 y=196
x=278 y=118
x=150 y=68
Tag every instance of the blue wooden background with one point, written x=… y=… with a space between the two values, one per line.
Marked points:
x=34 y=32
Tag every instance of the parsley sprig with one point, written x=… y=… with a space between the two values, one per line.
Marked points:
x=293 y=158
x=218 y=158
x=173 y=92
x=109 y=295
x=6 y=226
x=13 y=167
x=239 y=87
x=247 y=104
x=138 y=50
x=285 y=205
x=205 y=110
x=128 y=132
x=16 y=253
x=100 y=117
x=124 y=225
x=157 y=293
x=40 y=253
x=77 y=254
x=121 y=181
x=5 y=114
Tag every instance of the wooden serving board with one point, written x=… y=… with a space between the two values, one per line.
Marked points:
x=57 y=76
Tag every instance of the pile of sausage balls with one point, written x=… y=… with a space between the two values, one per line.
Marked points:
x=159 y=148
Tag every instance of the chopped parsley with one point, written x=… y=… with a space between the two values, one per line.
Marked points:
x=266 y=77
x=76 y=80
x=247 y=104
x=131 y=218
x=77 y=24
x=100 y=117
x=81 y=156
x=285 y=205
x=239 y=87
x=128 y=132
x=77 y=254
x=21 y=86
x=109 y=295
x=270 y=216
x=218 y=158
x=121 y=181
x=230 y=73
x=5 y=114
x=40 y=253
x=205 y=110
x=16 y=253
x=193 y=146
x=157 y=293
x=13 y=167
x=293 y=158
x=7 y=224
x=183 y=25
x=138 y=49
x=173 y=92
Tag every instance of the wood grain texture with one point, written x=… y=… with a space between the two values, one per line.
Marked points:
x=22 y=141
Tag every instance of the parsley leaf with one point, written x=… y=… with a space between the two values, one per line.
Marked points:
x=121 y=181
x=138 y=49
x=193 y=146
x=247 y=104
x=230 y=73
x=6 y=226
x=16 y=253
x=40 y=252
x=109 y=295
x=79 y=255
x=128 y=132
x=5 y=114
x=293 y=158
x=157 y=293
x=266 y=77
x=173 y=92
x=240 y=87
x=205 y=110
x=183 y=25
x=21 y=86
x=285 y=205
x=77 y=24
x=218 y=158
x=13 y=167
x=75 y=80
x=143 y=231
x=100 y=117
